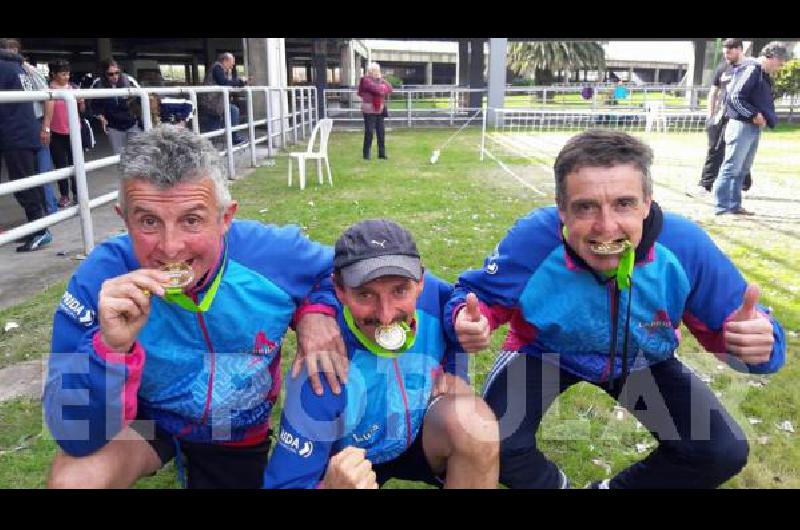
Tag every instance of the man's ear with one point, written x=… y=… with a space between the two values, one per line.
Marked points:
x=229 y=213
x=338 y=289
x=118 y=209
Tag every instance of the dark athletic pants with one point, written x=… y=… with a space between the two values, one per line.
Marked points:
x=23 y=163
x=700 y=445
x=373 y=122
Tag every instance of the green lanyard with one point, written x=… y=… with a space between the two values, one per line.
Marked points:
x=375 y=348
x=177 y=296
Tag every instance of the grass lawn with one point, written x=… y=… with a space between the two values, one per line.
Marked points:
x=458 y=210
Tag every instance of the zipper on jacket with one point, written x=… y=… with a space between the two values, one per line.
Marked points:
x=405 y=402
x=201 y=320
x=612 y=350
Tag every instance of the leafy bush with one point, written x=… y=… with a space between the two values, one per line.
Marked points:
x=787 y=80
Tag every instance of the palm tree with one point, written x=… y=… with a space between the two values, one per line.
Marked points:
x=542 y=58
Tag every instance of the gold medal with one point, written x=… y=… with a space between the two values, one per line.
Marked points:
x=391 y=337
x=180 y=274
x=610 y=248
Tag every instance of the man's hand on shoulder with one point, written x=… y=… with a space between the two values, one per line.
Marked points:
x=321 y=347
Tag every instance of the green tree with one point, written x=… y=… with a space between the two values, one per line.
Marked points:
x=787 y=81
x=541 y=59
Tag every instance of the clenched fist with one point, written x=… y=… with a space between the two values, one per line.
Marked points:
x=124 y=305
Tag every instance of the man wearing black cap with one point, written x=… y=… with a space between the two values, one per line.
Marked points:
x=716 y=121
x=403 y=413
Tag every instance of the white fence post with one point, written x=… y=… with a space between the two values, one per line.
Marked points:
x=252 y=127
x=226 y=107
x=196 y=110
x=268 y=107
x=80 y=169
x=303 y=113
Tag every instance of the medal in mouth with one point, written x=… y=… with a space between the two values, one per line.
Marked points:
x=391 y=337
x=610 y=248
x=180 y=274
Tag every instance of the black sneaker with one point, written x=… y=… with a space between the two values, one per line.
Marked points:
x=383 y=157
x=36 y=242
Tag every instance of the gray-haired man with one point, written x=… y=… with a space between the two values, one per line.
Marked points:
x=171 y=333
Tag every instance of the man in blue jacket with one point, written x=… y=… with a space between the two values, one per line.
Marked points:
x=20 y=142
x=749 y=106
x=404 y=413
x=595 y=290
x=149 y=364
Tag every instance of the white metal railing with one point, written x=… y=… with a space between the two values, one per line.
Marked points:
x=446 y=104
x=451 y=103
x=290 y=120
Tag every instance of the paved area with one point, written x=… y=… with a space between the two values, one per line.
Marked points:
x=22 y=274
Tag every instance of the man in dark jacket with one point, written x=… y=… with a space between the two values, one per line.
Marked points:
x=222 y=73
x=20 y=143
x=749 y=106
x=118 y=121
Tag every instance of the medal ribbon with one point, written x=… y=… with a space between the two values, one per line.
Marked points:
x=179 y=298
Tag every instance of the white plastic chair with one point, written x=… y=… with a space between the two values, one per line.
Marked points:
x=323 y=128
x=655 y=116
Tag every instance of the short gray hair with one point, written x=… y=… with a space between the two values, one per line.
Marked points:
x=168 y=155
x=775 y=49
x=373 y=66
x=601 y=148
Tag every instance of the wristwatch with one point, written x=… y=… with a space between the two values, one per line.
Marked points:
x=46 y=129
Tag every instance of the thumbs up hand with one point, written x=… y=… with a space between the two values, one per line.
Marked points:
x=748 y=333
x=472 y=327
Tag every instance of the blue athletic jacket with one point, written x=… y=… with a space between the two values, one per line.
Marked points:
x=558 y=307
x=381 y=407
x=203 y=377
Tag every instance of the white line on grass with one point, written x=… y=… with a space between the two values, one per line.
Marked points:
x=519 y=179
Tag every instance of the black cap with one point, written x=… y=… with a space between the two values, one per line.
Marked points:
x=374 y=248
x=732 y=43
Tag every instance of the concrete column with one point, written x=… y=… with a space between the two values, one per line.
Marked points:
x=187 y=73
x=211 y=53
x=346 y=65
x=277 y=77
x=257 y=68
x=196 y=71
x=497 y=74
x=429 y=73
x=462 y=68
x=476 y=71
x=695 y=77
x=104 y=50
x=655 y=75
x=319 y=61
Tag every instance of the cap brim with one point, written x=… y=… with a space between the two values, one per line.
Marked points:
x=366 y=270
